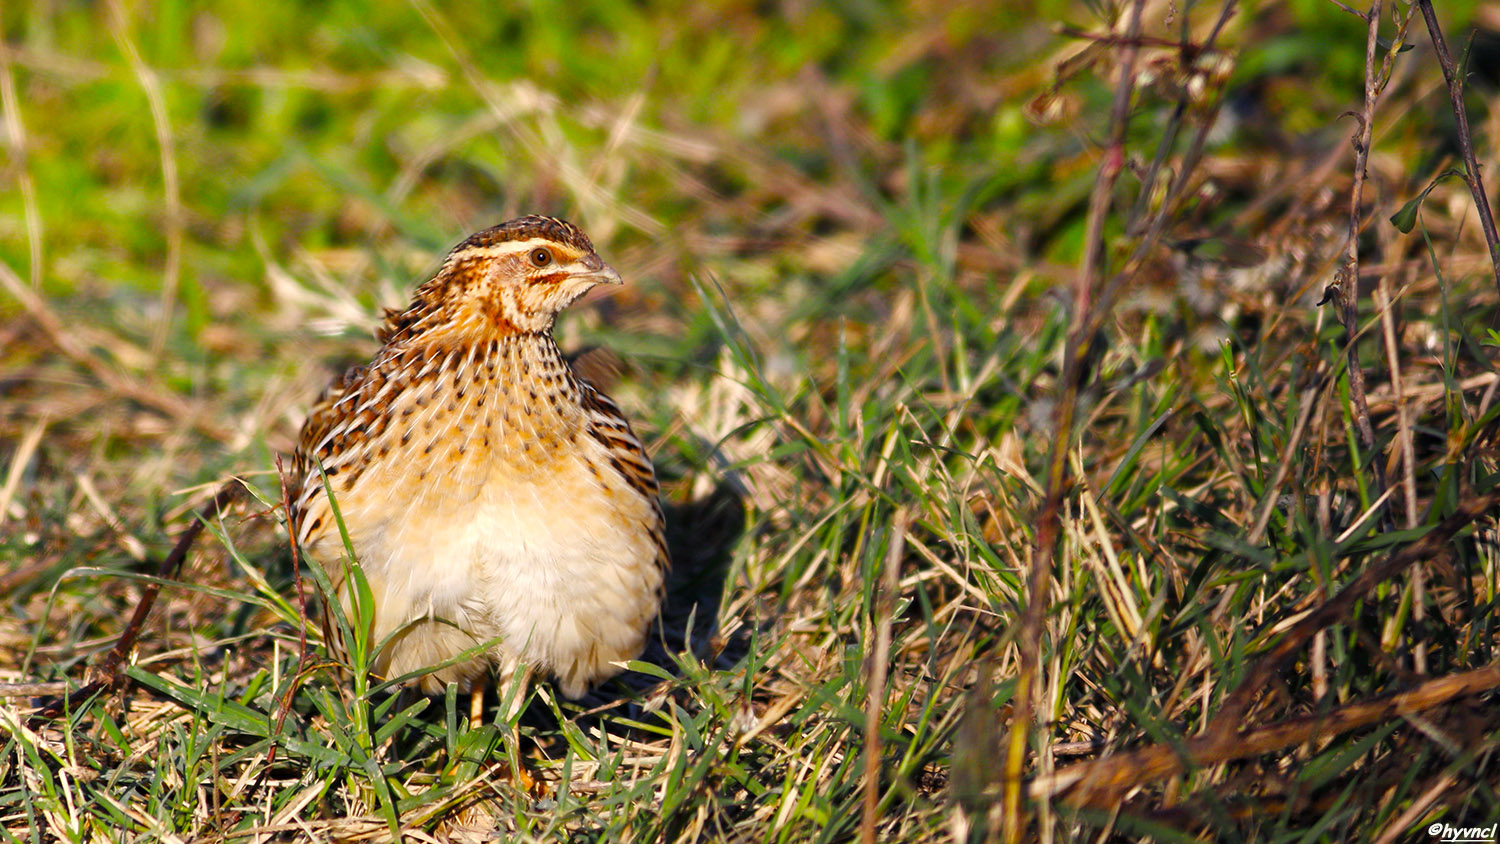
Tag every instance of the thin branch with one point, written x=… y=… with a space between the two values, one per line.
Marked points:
x=1224 y=738
x=1148 y=241
x=1104 y=780
x=1351 y=10
x=1189 y=162
x=1100 y=783
x=1465 y=138
x=1348 y=287
x=1079 y=361
x=1189 y=49
x=107 y=673
x=304 y=656
x=33 y=689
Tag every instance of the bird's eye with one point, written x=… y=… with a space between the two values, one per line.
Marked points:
x=540 y=257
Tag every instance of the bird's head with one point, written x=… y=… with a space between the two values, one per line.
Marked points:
x=513 y=278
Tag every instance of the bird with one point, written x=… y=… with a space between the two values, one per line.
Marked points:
x=489 y=492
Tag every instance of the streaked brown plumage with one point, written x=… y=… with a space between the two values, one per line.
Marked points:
x=488 y=491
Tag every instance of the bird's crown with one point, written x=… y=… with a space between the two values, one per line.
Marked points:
x=522 y=230
x=507 y=279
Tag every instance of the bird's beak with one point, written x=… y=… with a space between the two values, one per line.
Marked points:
x=605 y=275
x=585 y=278
x=594 y=271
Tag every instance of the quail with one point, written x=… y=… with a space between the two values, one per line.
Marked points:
x=489 y=493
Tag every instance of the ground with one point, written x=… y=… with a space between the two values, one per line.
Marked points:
x=1073 y=426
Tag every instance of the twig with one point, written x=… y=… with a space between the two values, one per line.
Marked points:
x=1465 y=138
x=1100 y=783
x=1078 y=748
x=885 y=602
x=1224 y=738
x=1188 y=163
x=1261 y=675
x=1348 y=287
x=107 y=673
x=1079 y=361
x=1147 y=240
x=1416 y=395
x=304 y=656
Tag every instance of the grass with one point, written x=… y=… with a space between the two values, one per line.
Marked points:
x=877 y=258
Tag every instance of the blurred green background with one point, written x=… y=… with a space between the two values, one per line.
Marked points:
x=849 y=233
x=181 y=173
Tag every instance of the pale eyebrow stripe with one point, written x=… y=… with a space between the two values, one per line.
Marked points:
x=508 y=248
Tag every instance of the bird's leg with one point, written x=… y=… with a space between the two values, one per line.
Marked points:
x=476 y=707
x=513 y=686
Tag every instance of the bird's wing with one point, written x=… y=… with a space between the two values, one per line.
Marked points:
x=628 y=457
x=308 y=482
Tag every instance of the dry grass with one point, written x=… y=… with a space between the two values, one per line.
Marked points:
x=854 y=267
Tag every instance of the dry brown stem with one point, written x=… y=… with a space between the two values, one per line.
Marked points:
x=107 y=673
x=1348 y=287
x=1455 y=82
x=1080 y=355
x=1103 y=781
